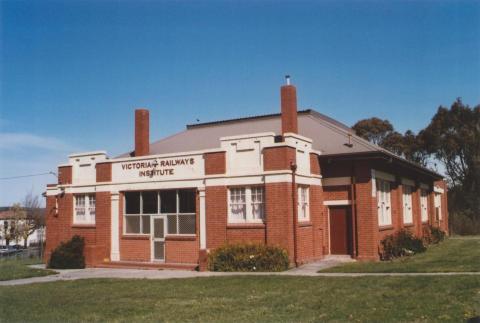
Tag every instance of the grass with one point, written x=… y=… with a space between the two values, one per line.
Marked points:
x=17 y=269
x=453 y=255
x=246 y=299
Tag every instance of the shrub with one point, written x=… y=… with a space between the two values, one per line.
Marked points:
x=248 y=257
x=436 y=234
x=401 y=243
x=68 y=255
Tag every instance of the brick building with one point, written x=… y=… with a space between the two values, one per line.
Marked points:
x=298 y=179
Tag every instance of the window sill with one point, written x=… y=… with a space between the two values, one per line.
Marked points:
x=245 y=225
x=408 y=225
x=135 y=237
x=385 y=227
x=305 y=224
x=84 y=226
x=192 y=237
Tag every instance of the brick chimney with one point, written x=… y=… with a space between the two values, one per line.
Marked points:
x=142 y=132
x=288 y=97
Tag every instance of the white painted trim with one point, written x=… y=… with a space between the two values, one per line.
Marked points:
x=115 y=222
x=203 y=219
x=385 y=176
x=336 y=181
x=297 y=136
x=267 y=177
x=337 y=202
x=168 y=155
x=407 y=181
x=437 y=189
x=374 y=183
x=88 y=153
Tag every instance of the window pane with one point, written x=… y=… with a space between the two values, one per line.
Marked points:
x=146 y=223
x=168 y=201
x=132 y=224
x=187 y=223
x=150 y=202
x=159 y=228
x=159 y=250
x=132 y=202
x=91 y=200
x=187 y=201
x=172 y=224
x=237 y=203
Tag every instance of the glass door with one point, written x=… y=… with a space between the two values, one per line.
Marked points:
x=158 y=238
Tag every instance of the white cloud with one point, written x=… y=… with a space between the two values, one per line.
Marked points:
x=27 y=140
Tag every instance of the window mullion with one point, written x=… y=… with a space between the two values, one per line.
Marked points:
x=177 y=201
x=248 y=206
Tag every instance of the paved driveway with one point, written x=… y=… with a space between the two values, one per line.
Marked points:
x=306 y=270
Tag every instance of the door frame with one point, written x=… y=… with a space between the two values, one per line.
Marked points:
x=153 y=239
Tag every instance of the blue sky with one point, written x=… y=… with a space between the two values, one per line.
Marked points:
x=72 y=72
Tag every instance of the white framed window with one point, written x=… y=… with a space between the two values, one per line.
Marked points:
x=258 y=203
x=246 y=204
x=303 y=203
x=383 y=202
x=407 y=204
x=84 y=211
x=177 y=206
x=438 y=206
x=424 y=205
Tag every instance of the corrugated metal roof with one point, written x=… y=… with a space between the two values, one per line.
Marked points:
x=329 y=136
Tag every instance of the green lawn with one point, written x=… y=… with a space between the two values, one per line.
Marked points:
x=246 y=299
x=16 y=269
x=454 y=254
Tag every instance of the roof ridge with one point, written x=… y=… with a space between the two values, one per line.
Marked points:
x=261 y=116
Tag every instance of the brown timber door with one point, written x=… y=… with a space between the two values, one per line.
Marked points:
x=340 y=230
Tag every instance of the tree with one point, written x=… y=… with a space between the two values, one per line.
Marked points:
x=34 y=218
x=453 y=137
x=382 y=133
x=374 y=129
x=26 y=219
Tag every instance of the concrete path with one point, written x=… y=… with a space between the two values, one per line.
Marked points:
x=309 y=270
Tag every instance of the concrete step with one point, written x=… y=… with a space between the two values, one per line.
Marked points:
x=339 y=258
x=145 y=265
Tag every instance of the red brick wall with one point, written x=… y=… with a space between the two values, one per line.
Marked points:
x=417 y=215
x=53 y=227
x=64 y=175
x=217 y=213
x=104 y=172
x=288 y=97
x=103 y=225
x=314 y=164
x=237 y=233
x=444 y=221
x=61 y=228
x=366 y=209
x=142 y=132
x=279 y=216
x=338 y=192
x=181 y=250
x=318 y=217
x=278 y=158
x=215 y=163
